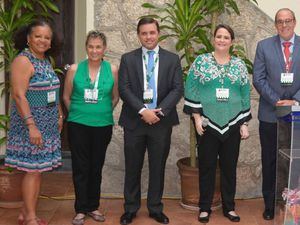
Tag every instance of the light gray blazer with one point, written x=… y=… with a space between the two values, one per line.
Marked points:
x=268 y=65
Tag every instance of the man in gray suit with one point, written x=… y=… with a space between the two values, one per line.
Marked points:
x=150 y=85
x=276 y=77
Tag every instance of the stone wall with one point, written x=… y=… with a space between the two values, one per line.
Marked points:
x=118 y=18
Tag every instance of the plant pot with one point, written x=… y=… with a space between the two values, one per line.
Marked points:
x=10 y=188
x=190 y=186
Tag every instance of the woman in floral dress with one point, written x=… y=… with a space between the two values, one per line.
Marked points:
x=36 y=117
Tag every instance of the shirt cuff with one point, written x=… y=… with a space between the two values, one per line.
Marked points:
x=142 y=110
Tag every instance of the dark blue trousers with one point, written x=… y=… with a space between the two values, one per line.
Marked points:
x=268 y=141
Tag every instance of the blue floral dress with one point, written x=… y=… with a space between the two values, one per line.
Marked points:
x=20 y=153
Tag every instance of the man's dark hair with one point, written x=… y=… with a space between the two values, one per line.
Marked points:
x=147 y=20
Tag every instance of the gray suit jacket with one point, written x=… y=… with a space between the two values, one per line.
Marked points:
x=268 y=65
x=131 y=87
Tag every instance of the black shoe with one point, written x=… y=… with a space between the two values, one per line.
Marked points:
x=231 y=217
x=127 y=218
x=160 y=217
x=268 y=214
x=204 y=219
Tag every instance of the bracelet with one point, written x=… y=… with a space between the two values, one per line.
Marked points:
x=246 y=124
x=61 y=117
x=27 y=117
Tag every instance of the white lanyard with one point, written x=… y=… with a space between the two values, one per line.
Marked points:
x=97 y=79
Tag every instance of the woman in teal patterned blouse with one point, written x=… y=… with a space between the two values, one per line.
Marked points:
x=217 y=95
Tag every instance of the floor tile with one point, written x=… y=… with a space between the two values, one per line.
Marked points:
x=57 y=207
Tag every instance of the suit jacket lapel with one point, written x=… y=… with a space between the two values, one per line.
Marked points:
x=139 y=67
x=296 y=49
x=278 y=50
x=160 y=68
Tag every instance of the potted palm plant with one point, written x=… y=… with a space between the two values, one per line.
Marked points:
x=13 y=15
x=191 y=23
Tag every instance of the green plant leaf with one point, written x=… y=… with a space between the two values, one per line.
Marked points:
x=149 y=6
x=2 y=140
x=49 y=5
x=232 y=4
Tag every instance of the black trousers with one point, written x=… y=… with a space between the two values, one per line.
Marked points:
x=209 y=148
x=88 y=148
x=268 y=141
x=156 y=139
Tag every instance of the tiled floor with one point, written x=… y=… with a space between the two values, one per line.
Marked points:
x=60 y=211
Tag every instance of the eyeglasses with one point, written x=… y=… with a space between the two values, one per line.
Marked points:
x=287 y=22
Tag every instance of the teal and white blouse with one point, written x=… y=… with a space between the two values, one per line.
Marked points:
x=204 y=77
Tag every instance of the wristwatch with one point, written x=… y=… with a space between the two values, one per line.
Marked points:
x=296 y=103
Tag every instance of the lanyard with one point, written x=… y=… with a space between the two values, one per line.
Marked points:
x=50 y=78
x=96 y=79
x=48 y=74
x=148 y=76
x=288 y=62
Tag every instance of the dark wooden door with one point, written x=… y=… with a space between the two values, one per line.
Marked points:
x=65 y=28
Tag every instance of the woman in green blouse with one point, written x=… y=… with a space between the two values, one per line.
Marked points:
x=217 y=95
x=90 y=95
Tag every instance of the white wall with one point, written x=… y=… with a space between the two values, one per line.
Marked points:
x=270 y=7
x=84 y=22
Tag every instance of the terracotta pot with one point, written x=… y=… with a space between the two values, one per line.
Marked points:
x=10 y=188
x=190 y=186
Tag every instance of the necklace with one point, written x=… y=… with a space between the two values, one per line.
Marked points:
x=222 y=69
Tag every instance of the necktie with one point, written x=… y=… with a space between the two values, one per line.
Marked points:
x=287 y=53
x=151 y=82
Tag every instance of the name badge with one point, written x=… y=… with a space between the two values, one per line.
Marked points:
x=287 y=78
x=51 y=97
x=222 y=94
x=91 y=95
x=148 y=96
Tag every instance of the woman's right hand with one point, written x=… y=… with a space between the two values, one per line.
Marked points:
x=198 y=124
x=35 y=135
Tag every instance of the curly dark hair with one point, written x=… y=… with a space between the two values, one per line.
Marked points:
x=20 y=37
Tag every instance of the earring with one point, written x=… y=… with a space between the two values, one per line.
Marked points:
x=27 y=43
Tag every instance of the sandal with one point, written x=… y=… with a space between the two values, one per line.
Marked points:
x=97 y=217
x=21 y=221
x=28 y=222
x=78 y=221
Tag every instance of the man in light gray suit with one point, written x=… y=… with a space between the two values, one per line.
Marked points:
x=150 y=85
x=276 y=77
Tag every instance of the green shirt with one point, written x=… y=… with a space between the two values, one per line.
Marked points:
x=204 y=77
x=92 y=114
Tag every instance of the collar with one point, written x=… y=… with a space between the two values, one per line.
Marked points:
x=292 y=40
x=145 y=50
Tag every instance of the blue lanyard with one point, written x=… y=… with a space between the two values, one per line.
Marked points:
x=148 y=76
